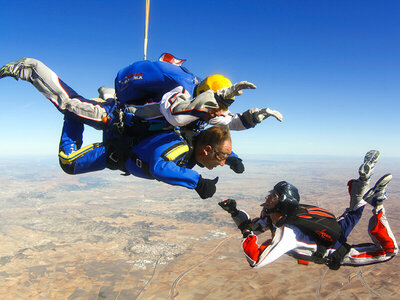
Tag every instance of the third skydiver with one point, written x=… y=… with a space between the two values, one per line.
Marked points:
x=325 y=240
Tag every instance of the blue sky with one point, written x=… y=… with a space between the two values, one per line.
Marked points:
x=332 y=68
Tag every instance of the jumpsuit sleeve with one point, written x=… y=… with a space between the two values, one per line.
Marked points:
x=179 y=110
x=164 y=157
x=235 y=121
x=260 y=225
x=258 y=256
x=148 y=111
x=168 y=172
x=233 y=154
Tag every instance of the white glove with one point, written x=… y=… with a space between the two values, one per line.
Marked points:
x=254 y=116
x=261 y=114
x=106 y=93
x=235 y=90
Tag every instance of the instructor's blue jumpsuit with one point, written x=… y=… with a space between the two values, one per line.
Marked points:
x=164 y=156
x=161 y=156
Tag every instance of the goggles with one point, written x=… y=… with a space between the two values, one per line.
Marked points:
x=271 y=194
x=220 y=156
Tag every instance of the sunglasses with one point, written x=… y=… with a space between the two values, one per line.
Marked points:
x=220 y=156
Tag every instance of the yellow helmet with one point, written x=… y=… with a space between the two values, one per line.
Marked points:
x=214 y=82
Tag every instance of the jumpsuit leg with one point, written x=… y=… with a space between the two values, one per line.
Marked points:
x=65 y=99
x=383 y=248
x=74 y=159
x=347 y=222
x=357 y=189
x=353 y=214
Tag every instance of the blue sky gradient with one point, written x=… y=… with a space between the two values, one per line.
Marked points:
x=332 y=68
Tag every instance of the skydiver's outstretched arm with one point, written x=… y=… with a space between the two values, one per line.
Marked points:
x=147 y=111
x=67 y=101
x=179 y=109
x=249 y=119
x=176 y=106
x=243 y=221
x=259 y=255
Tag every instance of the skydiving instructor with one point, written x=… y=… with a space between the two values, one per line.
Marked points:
x=148 y=156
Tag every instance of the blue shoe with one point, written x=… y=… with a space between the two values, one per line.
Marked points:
x=370 y=159
x=377 y=194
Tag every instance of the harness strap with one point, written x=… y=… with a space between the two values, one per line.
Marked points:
x=119 y=155
x=119 y=150
x=116 y=161
x=140 y=164
x=318 y=256
x=188 y=136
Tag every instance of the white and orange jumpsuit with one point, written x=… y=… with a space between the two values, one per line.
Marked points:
x=291 y=240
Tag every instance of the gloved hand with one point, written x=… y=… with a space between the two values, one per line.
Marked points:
x=206 y=188
x=261 y=114
x=229 y=205
x=240 y=217
x=254 y=116
x=252 y=226
x=235 y=89
x=106 y=93
x=235 y=163
x=246 y=233
x=228 y=94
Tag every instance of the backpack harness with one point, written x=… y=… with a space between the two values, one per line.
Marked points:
x=322 y=226
x=119 y=148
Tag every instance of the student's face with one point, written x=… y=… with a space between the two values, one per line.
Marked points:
x=211 y=157
x=271 y=200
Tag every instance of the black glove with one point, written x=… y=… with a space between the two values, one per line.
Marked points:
x=235 y=163
x=255 y=226
x=246 y=233
x=246 y=228
x=206 y=187
x=229 y=205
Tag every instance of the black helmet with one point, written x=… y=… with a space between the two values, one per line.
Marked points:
x=289 y=197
